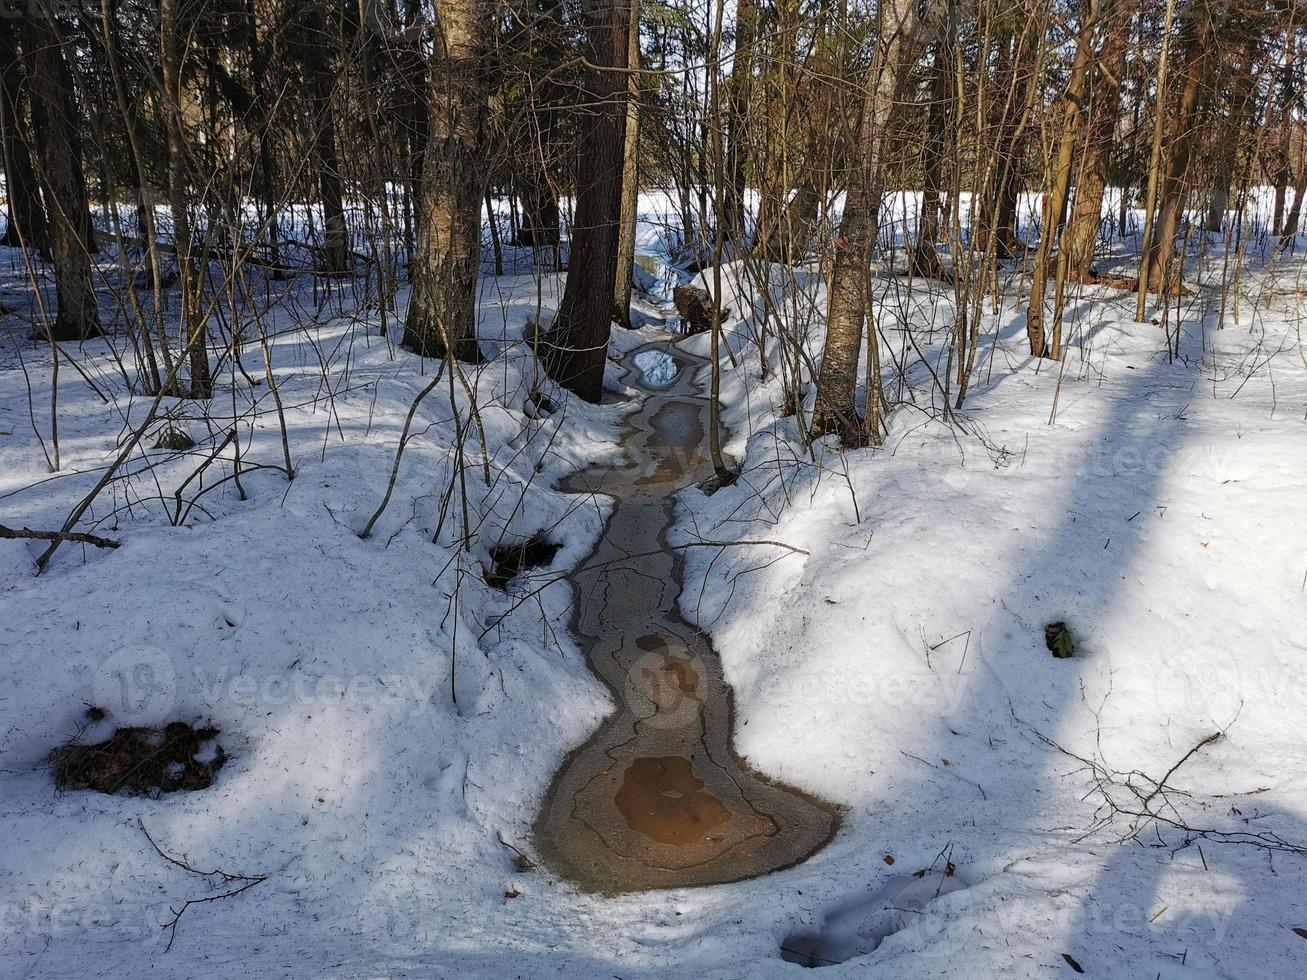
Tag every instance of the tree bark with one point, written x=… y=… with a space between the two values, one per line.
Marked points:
x=441 y=315
x=737 y=122
x=25 y=223
x=630 y=180
x=1197 y=42
x=837 y=380
x=1058 y=168
x=1080 y=239
x=315 y=48
x=55 y=125
x=576 y=348
x=193 y=327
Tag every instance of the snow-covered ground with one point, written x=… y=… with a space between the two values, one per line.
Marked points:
x=393 y=721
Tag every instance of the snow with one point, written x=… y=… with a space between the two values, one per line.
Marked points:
x=391 y=718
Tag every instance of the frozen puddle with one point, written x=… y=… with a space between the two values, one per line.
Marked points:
x=859 y=925
x=658 y=367
x=656 y=798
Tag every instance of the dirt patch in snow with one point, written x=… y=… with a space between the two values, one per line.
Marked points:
x=509 y=560
x=141 y=761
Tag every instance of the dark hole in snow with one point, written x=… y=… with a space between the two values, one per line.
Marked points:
x=178 y=440
x=538 y=406
x=859 y=925
x=141 y=760
x=719 y=481
x=1060 y=642
x=507 y=561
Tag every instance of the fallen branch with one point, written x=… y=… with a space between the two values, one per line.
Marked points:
x=244 y=883
x=19 y=533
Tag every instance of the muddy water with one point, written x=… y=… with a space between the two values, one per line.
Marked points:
x=656 y=798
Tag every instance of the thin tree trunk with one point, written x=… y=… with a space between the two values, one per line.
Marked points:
x=1057 y=180
x=316 y=46
x=630 y=180
x=1197 y=39
x=779 y=86
x=576 y=348
x=925 y=256
x=442 y=310
x=737 y=122
x=193 y=329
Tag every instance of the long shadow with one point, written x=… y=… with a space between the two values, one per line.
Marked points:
x=1017 y=693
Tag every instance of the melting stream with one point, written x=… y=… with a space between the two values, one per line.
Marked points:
x=657 y=798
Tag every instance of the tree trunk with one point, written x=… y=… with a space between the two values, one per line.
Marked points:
x=541 y=218
x=737 y=122
x=315 y=46
x=442 y=309
x=939 y=110
x=55 y=125
x=1197 y=41
x=837 y=381
x=25 y=223
x=1080 y=239
x=1057 y=179
x=1012 y=88
x=779 y=85
x=630 y=180
x=576 y=348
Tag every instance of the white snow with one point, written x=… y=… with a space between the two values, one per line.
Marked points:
x=898 y=669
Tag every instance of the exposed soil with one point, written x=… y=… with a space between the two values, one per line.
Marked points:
x=507 y=561
x=141 y=761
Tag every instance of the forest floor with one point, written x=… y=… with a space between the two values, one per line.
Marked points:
x=391 y=721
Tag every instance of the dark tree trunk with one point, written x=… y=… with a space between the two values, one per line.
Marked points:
x=576 y=348
x=25 y=223
x=939 y=111
x=1197 y=43
x=55 y=125
x=737 y=122
x=442 y=310
x=541 y=219
x=315 y=45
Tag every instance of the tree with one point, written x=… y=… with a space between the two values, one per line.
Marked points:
x=25 y=223
x=576 y=347
x=1069 y=123
x=847 y=305
x=194 y=332
x=441 y=317
x=630 y=179
x=1078 y=242
x=55 y=125
x=313 y=44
